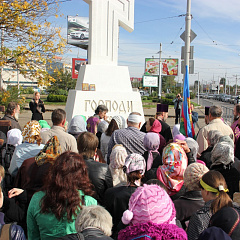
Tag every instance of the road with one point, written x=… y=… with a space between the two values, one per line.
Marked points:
x=210 y=102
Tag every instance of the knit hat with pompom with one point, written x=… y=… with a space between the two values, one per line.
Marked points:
x=150 y=203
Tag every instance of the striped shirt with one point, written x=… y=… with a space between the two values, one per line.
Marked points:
x=131 y=138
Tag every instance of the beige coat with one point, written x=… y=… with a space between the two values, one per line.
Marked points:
x=215 y=124
x=66 y=140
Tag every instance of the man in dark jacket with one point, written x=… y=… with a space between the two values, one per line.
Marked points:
x=12 y=113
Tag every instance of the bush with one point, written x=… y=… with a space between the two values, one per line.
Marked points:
x=155 y=100
x=192 y=95
x=58 y=92
x=28 y=90
x=164 y=100
x=170 y=96
x=149 y=98
x=56 y=98
x=145 y=98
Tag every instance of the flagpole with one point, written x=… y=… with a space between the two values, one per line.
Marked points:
x=187 y=35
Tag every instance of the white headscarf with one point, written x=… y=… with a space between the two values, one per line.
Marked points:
x=14 y=137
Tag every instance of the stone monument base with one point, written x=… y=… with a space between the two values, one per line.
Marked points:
x=118 y=103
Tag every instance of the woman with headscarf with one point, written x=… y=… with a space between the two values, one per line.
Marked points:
x=116 y=199
x=191 y=200
x=77 y=126
x=101 y=128
x=117 y=161
x=92 y=124
x=152 y=157
x=151 y=215
x=32 y=172
x=153 y=125
x=222 y=159
x=171 y=173
x=213 y=137
x=30 y=147
x=117 y=122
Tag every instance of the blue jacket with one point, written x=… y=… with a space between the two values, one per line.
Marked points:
x=194 y=117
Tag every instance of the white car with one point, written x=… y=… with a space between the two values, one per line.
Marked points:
x=81 y=34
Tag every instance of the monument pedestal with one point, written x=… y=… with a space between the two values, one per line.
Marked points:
x=112 y=88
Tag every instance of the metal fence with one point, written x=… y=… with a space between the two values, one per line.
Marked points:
x=227 y=114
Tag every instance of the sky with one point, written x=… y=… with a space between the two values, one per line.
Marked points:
x=216 y=47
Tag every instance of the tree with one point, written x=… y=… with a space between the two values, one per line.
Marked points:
x=168 y=82
x=27 y=38
x=62 y=83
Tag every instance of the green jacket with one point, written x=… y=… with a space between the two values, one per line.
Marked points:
x=46 y=226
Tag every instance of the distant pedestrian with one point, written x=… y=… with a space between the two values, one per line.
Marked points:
x=177 y=106
x=194 y=115
x=37 y=107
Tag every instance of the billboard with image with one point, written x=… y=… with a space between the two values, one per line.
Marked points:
x=169 y=66
x=78 y=31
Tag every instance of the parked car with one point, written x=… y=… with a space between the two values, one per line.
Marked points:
x=237 y=100
x=232 y=99
x=215 y=96
x=210 y=96
x=81 y=34
x=226 y=98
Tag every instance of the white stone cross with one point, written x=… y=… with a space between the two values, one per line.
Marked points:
x=105 y=17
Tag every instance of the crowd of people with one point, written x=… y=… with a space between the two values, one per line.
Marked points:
x=101 y=178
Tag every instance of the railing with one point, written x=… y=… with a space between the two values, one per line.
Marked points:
x=227 y=114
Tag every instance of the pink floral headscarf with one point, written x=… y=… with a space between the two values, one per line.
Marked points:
x=171 y=173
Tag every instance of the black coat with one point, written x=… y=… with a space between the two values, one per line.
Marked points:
x=186 y=205
x=116 y=202
x=232 y=178
x=100 y=176
x=36 y=115
x=88 y=234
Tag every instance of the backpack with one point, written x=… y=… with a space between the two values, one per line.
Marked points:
x=5 y=232
x=6 y=156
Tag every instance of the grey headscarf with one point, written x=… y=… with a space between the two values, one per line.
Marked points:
x=222 y=153
x=176 y=130
x=120 y=121
x=193 y=145
x=213 y=136
x=226 y=139
x=77 y=125
x=102 y=126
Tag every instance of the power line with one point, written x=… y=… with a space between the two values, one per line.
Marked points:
x=158 y=19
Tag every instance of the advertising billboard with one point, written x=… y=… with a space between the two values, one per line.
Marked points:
x=78 y=31
x=76 y=64
x=150 y=81
x=169 y=66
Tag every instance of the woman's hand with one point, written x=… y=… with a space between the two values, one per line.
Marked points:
x=14 y=192
x=184 y=145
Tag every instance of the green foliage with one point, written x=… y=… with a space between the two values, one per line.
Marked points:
x=28 y=90
x=154 y=94
x=62 y=84
x=56 y=98
x=166 y=101
x=170 y=96
x=12 y=94
x=192 y=95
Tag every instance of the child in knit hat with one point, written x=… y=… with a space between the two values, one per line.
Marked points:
x=151 y=215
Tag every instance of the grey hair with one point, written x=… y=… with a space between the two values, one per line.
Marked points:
x=215 y=111
x=213 y=136
x=101 y=108
x=95 y=217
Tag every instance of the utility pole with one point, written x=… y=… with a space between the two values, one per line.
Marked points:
x=218 y=84
x=229 y=87
x=187 y=35
x=236 y=86
x=160 y=73
x=198 y=90
x=225 y=83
